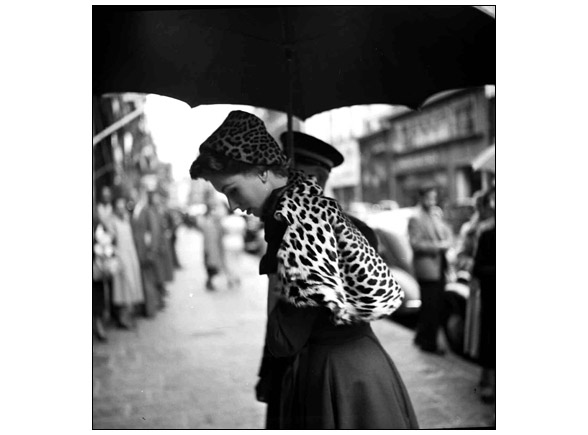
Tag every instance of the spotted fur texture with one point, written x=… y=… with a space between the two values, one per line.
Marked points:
x=324 y=260
x=243 y=137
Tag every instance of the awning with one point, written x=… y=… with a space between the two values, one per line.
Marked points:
x=486 y=160
x=118 y=124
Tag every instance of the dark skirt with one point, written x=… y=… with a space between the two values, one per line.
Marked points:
x=344 y=379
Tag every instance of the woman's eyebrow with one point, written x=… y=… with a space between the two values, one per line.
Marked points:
x=225 y=187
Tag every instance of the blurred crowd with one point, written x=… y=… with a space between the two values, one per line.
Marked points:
x=134 y=255
x=133 y=258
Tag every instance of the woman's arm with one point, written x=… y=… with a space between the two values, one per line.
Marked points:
x=289 y=328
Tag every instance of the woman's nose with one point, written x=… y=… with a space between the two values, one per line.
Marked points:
x=232 y=205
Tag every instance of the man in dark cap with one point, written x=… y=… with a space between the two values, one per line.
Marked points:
x=315 y=158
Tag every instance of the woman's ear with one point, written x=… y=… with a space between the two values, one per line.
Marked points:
x=263 y=176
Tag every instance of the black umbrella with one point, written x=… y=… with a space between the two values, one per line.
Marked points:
x=301 y=60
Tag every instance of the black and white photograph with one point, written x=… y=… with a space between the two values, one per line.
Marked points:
x=294 y=217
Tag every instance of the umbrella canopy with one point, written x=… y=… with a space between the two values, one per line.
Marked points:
x=300 y=60
x=486 y=160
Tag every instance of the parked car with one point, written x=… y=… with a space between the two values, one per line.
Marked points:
x=388 y=204
x=391 y=228
x=360 y=210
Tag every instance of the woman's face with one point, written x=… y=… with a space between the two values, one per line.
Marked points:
x=246 y=191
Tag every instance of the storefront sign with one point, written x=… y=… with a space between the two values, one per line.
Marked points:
x=452 y=121
x=416 y=162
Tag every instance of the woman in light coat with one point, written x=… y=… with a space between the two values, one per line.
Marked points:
x=127 y=284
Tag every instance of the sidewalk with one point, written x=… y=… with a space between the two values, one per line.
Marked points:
x=194 y=366
x=442 y=389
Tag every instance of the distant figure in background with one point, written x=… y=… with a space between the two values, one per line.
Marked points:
x=430 y=238
x=101 y=244
x=147 y=229
x=315 y=158
x=463 y=254
x=166 y=255
x=468 y=236
x=127 y=282
x=234 y=226
x=214 y=253
x=172 y=222
x=105 y=209
x=485 y=271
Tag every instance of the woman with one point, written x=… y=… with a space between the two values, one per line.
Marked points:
x=127 y=285
x=334 y=284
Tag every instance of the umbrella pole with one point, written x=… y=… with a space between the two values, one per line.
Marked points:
x=290 y=141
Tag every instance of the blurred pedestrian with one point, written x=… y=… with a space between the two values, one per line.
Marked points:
x=166 y=255
x=127 y=282
x=315 y=158
x=214 y=252
x=463 y=253
x=430 y=238
x=173 y=220
x=484 y=270
x=233 y=225
x=147 y=229
x=467 y=240
x=333 y=281
x=105 y=209
x=103 y=267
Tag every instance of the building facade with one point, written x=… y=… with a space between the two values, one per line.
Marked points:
x=127 y=154
x=433 y=146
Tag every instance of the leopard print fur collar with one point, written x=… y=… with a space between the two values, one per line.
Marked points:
x=323 y=260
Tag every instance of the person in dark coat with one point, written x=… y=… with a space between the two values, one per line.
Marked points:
x=485 y=271
x=315 y=158
x=99 y=288
x=333 y=282
x=148 y=234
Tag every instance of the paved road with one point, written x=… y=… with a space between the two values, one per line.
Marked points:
x=194 y=366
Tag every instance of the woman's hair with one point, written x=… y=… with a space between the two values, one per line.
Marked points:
x=211 y=163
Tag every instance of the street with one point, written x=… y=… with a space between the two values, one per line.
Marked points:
x=194 y=366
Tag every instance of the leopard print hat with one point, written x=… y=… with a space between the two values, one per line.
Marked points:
x=243 y=137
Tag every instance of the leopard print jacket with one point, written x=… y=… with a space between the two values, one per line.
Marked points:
x=323 y=260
